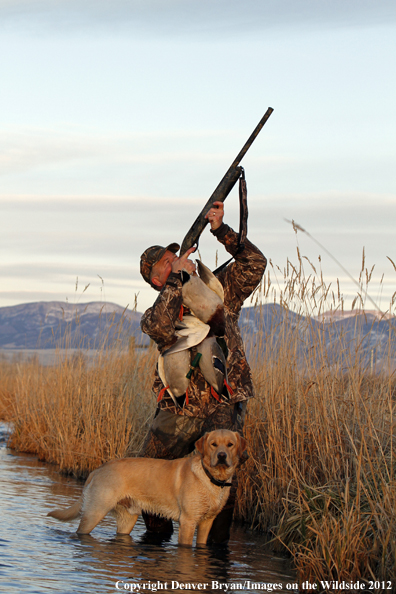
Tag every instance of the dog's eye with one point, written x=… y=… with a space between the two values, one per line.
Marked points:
x=229 y=445
x=214 y=444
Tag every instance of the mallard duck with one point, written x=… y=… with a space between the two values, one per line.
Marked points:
x=204 y=296
x=205 y=300
x=173 y=369
x=213 y=367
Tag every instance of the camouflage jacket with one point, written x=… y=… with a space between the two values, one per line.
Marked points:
x=239 y=280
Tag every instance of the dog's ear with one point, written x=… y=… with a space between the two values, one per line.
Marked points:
x=242 y=445
x=200 y=444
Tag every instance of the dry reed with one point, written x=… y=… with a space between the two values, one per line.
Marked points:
x=320 y=479
x=80 y=415
x=321 y=476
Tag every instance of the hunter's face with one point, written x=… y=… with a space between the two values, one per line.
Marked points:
x=162 y=269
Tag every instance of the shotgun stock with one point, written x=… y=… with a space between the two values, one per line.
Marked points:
x=223 y=189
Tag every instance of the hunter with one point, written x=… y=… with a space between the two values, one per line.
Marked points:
x=174 y=429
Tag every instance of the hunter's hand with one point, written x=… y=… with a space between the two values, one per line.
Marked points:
x=183 y=263
x=215 y=215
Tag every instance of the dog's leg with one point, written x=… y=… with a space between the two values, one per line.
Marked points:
x=186 y=531
x=203 y=531
x=125 y=520
x=90 y=519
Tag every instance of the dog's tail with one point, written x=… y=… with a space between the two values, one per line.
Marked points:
x=70 y=513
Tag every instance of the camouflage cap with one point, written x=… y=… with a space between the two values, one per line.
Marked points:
x=153 y=255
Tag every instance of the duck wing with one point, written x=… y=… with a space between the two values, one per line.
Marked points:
x=190 y=331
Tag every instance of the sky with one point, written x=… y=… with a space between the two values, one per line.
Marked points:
x=118 y=118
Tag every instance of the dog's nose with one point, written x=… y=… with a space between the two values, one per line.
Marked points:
x=221 y=456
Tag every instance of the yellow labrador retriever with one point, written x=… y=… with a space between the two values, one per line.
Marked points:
x=189 y=490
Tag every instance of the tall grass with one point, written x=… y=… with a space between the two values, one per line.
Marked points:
x=320 y=480
x=80 y=415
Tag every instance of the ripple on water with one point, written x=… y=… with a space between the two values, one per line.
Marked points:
x=40 y=555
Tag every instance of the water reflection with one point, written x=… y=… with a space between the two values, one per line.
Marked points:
x=39 y=554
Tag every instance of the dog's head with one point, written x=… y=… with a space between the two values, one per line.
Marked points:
x=221 y=449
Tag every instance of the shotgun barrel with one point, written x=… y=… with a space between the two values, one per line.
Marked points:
x=223 y=189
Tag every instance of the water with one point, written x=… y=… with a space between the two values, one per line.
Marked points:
x=39 y=554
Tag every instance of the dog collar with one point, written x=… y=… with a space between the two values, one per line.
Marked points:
x=212 y=479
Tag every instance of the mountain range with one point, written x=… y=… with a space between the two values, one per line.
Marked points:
x=55 y=324
x=340 y=336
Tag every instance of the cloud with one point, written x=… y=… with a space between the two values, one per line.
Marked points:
x=51 y=167
x=61 y=271
x=75 y=281
x=47 y=244
x=88 y=202
x=26 y=149
x=23 y=150
x=192 y=17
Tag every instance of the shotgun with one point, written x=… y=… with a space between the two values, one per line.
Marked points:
x=223 y=189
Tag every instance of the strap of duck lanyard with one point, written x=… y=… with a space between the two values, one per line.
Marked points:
x=243 y=217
